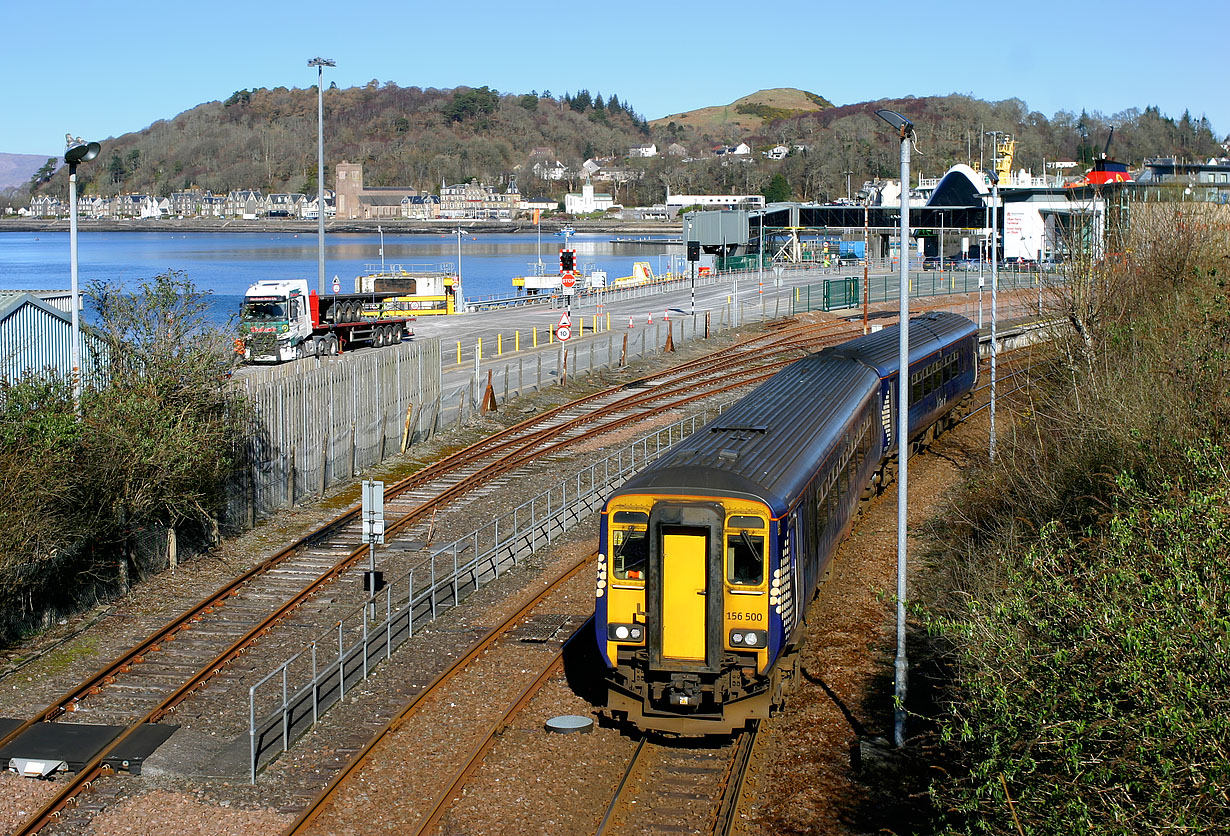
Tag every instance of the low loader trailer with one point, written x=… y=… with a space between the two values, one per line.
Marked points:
x=282 y=320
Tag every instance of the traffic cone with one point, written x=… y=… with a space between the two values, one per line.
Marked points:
x=629 y=321
x=668 y=316
x=650 y=319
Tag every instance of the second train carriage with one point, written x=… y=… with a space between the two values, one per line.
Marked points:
x=709 y=556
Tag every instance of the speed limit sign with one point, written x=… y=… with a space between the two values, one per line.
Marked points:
x=563 y=331
x=337 y=286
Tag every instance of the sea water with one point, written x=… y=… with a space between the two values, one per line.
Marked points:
x=225 y=264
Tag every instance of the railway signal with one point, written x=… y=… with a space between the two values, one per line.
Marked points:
x=567 y=261
x=373 y=533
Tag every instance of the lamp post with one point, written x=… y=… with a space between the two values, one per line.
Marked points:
x=78 y=151
x=320 y=64
x=866 y=256
x=994 y=289
x=905 y=129
x=461 y=299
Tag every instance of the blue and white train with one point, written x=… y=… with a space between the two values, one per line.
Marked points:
x=709 y=556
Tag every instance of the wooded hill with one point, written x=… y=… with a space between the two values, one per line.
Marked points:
x=407 y=136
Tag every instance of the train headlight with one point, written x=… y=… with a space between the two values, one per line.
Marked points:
x=748 y=638
x=626 y=632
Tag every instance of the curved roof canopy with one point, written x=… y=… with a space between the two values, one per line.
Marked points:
x=961 y=186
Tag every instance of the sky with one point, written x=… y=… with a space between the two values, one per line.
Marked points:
x=101 y=70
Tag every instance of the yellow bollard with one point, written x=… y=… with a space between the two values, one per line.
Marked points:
x=499 y=344
x=608 y=321
x=581 y=323
x=478 y=348
x=516 y=340
x=459 y=352
x=550 y=336
x=534 y=335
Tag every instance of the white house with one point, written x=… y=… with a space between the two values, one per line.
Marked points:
x=777 y=152
x=587 y=202
x=650 y=150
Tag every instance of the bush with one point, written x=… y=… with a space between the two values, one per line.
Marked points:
x=151 y=449
x=1094 y=683
x=1086 y=609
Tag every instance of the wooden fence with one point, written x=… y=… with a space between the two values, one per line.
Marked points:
x=323 y=421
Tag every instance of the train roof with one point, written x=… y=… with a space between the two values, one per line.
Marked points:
x=769 y=443
x=928 y=333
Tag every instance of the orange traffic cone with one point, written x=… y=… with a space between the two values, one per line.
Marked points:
x=629 y=321
x=651 y=319
x=668 y=316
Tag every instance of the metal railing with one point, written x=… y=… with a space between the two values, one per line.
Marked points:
x=290 y=699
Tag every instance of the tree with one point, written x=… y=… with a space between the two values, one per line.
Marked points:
x=116 y=169
x=44 y=174
x=163 y=431
x=778 y=190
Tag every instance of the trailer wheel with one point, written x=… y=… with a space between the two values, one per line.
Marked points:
x=331 y=345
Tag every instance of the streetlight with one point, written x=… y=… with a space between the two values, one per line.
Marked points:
x=905 y=129
x=78 y=151
x=994 y=288
x=461 y=299
x=320 y=64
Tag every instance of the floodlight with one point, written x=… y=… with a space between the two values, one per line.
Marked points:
x=81 y=152
x=899 y=122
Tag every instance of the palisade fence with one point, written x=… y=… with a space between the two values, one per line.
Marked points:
x=284 y=704
x=322 y=421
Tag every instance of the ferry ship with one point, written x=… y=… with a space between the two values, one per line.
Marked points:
x=423 y=289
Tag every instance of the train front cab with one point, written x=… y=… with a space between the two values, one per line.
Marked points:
x=683 y=612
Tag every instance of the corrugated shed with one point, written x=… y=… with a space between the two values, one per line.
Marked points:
x=36 y=337
x=61 y=300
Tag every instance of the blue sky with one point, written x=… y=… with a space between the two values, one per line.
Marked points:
x=103 y=69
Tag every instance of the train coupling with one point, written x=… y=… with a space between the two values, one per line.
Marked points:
x=684 y=690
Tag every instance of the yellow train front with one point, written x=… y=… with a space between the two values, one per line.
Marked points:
x=684 y=590
x=709 y=555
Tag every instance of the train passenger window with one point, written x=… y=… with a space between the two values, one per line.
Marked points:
x=744 y=559
x=629 y=545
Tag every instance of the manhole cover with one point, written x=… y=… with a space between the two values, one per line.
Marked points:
x=569 y=723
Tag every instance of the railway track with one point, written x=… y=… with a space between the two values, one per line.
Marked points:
x=148 y=683
x=321 y=814
x=673 y=788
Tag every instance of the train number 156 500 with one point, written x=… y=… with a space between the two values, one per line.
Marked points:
x=745 y=616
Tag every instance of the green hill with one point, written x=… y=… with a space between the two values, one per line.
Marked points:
x=748 y=115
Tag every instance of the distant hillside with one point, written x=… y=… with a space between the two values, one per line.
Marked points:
x=420 y=138
x=748 y=115
x=17 y=169
x=404 y=136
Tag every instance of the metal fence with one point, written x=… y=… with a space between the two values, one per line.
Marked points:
x=284 y=704
x=319 y=422
x=830 y=294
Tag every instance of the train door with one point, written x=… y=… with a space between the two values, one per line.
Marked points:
x=685 y=584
